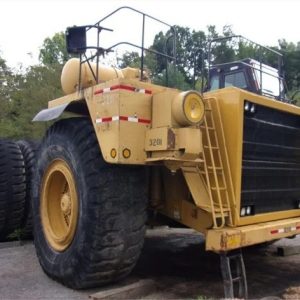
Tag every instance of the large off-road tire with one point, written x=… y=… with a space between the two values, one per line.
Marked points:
x=12 y=187
x=28 y=149
x=89 y=216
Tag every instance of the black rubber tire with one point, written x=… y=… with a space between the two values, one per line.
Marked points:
x=28 y=149
x=112 y=210
x=12 y=188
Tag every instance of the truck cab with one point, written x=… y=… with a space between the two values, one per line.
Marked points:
x=248 y=74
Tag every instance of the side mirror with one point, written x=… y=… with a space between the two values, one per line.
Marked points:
x=76 y=39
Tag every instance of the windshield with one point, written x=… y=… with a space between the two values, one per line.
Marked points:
x=271 y=83
x=236 y=79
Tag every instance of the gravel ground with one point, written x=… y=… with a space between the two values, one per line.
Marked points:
x=174 y=258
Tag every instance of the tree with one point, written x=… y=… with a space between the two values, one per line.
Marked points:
x=291 y=58
x=188 y=56
x=25 y=94
x=129 y=59
x=54 y=50
x=6 y=87
x=39 y=85
x=172 y=77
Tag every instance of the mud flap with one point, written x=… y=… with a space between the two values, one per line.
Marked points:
x=50 y=113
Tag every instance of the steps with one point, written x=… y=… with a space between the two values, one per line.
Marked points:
x=234 y=274
x=207 y=181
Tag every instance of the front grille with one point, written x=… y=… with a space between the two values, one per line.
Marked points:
x=271 y=160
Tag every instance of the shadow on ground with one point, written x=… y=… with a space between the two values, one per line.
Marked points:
x=176 y=259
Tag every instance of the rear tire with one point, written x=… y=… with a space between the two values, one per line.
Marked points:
x=103 y=234
x=12 y=188
x=28 y=149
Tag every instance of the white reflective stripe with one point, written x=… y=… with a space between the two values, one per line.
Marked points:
x=122 y=118
x=293 y=228
x=106 y=90
x=133 y=119
x=142 y=91
x=281 y=230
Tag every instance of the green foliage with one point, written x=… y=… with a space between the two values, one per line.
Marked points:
x=129 y=59
x=173 y=78
x=189 y=47
x=54 y=50
x=292 y=63
x=40 y=85
x=23 y=95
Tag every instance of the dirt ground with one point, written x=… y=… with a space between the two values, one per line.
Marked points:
x=175 y=259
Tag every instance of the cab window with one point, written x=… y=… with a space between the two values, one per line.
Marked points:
x=236 y=79
x=214 y=83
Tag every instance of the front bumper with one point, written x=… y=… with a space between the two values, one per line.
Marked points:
x=228 y=238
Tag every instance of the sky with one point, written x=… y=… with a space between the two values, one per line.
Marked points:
x=24 y=24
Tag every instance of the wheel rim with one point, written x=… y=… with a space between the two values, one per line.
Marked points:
x=59 y=205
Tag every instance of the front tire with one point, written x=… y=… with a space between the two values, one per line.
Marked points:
x=89 y=216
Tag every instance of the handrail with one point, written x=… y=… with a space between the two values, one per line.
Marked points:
x=136 y=46
x=244 y=38
x=143 y=49
x=133 y=9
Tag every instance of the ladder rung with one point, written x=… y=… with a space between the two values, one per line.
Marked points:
x=220 y=188
x=219 y=215
x=225 y=209
x=211 y=147
x=216 y=168
x=235 y=256
x=208 y=127
x=217 y=172
x=237 y=279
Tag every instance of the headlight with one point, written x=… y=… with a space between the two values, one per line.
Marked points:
x=243 y=211
x=247 y=211
x=188 y=108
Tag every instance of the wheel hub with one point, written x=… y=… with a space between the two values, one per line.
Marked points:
x=59 y=205
x=65 y=204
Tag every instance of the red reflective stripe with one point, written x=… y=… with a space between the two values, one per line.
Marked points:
x=283 y=230
x=108 y=119
x=144 y=121
x=123 y=87
x=127 y=88
x=98 y=92
x=123 y=118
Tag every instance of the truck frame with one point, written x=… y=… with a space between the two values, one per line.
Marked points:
x=225 y=163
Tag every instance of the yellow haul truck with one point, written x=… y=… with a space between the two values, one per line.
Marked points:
x=225 y=163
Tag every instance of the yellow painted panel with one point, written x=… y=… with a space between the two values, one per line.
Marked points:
x=159 y=139
x=137 y=108
x=197 y=188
